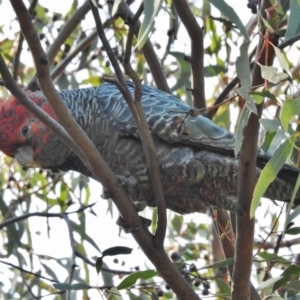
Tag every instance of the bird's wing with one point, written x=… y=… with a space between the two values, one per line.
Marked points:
x=167 y=118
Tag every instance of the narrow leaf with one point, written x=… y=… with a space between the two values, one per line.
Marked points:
x=269 y=173
x=288 y=274
x=282 y=60
x=266 y=23
x=293 y=26
x=116 y=251
x=244 y=74
x=99 y=264
x=230 y=13
x=293 y=231
x=290 y=108
x=270 y=125
x=115 y=294
x=268 y=283
x=151 y=8
x=223 y=263
x=293 y=215
x=115 y=7
x=243 y=121
x=132 y=278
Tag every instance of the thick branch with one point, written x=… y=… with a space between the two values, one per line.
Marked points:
x=247 y=179
x=196 y=34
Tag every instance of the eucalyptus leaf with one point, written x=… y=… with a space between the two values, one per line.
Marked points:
x=269 y=173
x=151 y=9
x=131 y=279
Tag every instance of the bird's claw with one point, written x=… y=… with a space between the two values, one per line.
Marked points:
x=128 y=181
x=127 y=229
x=107 y=195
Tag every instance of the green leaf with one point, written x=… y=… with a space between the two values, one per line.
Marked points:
x=265 y=94
x=116 y=251
x=269 y=173
x=151 y=8
x=183 y=74
x=293 y=26
x=230 y=13
x=224 y=288
x=293 y=215
x=99 y=264
x=243 y=121
x=292 y=272
x=132 y=278
x=273 y=257
x=293 y=231
x=290 y=108
x=244 y=74
x=268 y=283
x=296 y=188
x=266 y=23
x=271 y=74
x=282 y=60
x=177 y=222
x=269 y=137
x=214 y=70
x=83 y=234
x=115 y=7
x=223 y=263
x=270 y=125
x=115 y=294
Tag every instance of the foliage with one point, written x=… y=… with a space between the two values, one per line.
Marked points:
x=64 y=211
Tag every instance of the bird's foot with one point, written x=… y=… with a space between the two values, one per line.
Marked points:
x=128 y=181
x=107 y=195
x=127 y=229
x=139 y=205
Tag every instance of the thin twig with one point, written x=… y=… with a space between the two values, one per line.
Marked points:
x=149 y=53
x=16 y=61
x=26 y=271
x=73 y=249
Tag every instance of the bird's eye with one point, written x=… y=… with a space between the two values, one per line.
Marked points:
x=25 y=129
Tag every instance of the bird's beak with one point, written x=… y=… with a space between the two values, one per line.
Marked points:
x=24 y=156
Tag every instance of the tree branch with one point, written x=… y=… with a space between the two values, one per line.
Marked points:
x=197 y=64
x=27 y=271
x=16 y=61
x=246 y=183
x=149 y=53
x=64 y=33
x=147 y=141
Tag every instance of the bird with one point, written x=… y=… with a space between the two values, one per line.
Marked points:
x=195 y=156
